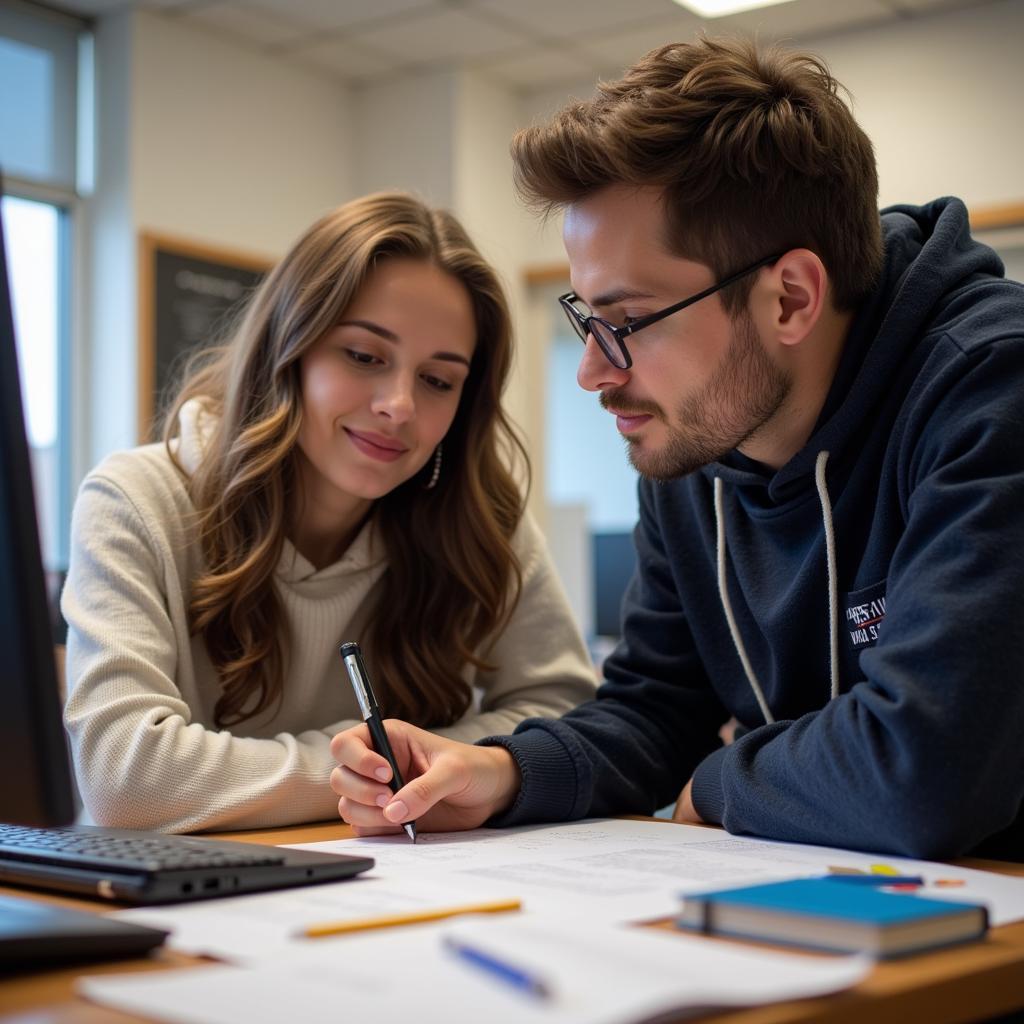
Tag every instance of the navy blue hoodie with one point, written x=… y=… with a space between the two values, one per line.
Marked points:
x=893 y=685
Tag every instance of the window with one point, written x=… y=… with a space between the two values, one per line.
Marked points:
x=35 y=234
x=591 y=493
x=45 y=140
x=586 y=458
x=39 y=64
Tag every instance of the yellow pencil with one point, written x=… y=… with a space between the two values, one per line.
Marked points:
x=315 y=931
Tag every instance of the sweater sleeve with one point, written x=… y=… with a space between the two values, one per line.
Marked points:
x=631 y=749
x=923 y=756
x=140 y=759
x=541 y=666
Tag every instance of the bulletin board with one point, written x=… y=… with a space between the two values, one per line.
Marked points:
x=188 y=295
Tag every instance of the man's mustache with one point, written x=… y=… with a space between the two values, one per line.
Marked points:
x=618 y=400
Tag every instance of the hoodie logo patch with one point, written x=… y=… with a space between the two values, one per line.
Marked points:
x=865 y=612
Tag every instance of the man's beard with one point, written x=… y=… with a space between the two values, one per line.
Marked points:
x=744 y=393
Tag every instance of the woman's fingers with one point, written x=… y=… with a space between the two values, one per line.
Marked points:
x=347 y=783
x=352 y=749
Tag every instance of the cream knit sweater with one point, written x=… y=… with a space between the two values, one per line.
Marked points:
x=142 y=690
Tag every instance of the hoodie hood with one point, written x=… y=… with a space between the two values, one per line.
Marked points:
x=930 y=258
x=195 y=428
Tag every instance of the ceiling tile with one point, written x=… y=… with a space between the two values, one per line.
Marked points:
x=920 y=6
x=92 y=6
x=345 y=59
x=799 y=18
x=566 y=18
x=168 y=6
x=440 y=35
x=340 y=14
x=540 y=66
x=617 y=50
x=370 y=37
x=243 y=23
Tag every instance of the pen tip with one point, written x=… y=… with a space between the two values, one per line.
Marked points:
x=410 y=830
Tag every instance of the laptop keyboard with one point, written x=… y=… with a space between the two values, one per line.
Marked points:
x=147 y=852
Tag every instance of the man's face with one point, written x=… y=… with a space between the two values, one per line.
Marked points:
x=701 y=383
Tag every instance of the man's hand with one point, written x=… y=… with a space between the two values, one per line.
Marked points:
x=685 y=811
x=449 y=786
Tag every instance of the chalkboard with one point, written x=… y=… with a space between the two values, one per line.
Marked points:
x=188 y=294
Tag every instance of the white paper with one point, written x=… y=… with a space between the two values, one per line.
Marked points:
x=260 y=926
x=600 y=872
x=619 y=870
x=597 y=975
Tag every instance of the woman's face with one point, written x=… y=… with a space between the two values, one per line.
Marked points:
x=381 y=388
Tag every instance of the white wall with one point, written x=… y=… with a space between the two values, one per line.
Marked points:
x=232 y=146
x=545 y=242
x=488 y=115
x=405 y=136
x=940 y=99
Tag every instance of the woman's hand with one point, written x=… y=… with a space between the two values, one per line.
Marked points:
x=449 y=786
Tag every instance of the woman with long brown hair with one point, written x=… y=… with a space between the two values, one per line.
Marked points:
x=340 y=470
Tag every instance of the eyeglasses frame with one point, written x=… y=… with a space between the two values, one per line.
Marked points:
x=582 y=323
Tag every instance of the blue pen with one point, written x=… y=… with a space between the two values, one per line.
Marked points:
x=516 y=977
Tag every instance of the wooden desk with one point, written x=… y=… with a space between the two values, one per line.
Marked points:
x=953 y=986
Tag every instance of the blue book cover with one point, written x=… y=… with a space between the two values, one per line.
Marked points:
x=826 y=913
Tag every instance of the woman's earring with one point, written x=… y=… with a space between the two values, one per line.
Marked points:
x=437 y=470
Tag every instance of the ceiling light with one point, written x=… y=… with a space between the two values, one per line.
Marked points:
x=719 y=8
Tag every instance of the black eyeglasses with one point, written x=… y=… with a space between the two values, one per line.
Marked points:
x=612 y=339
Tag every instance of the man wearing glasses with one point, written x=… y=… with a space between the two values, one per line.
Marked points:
x=826 y=407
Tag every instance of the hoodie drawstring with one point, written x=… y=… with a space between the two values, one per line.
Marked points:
x=833 y=591
x=723 y=594
x=833 y=576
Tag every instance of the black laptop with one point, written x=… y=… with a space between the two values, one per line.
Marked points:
x=38 y=845
x=125 y=866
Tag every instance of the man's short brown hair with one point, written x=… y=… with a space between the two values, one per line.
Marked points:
x=755 y=150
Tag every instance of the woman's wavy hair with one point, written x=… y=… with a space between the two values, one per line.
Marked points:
x=754 y=148
x=452 y=577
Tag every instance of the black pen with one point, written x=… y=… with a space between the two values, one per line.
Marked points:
x=353 y=659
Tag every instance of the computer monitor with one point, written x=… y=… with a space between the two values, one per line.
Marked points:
x=614 y=565
x=35 y=780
